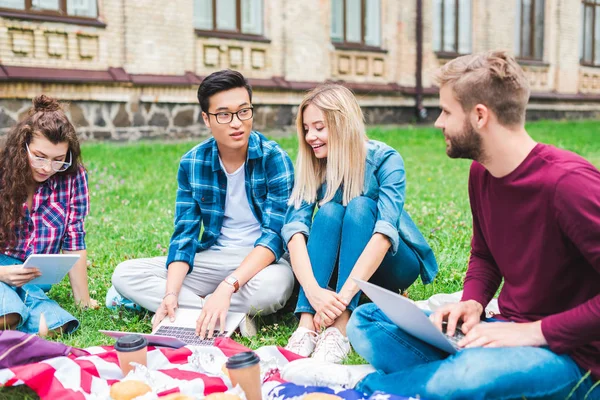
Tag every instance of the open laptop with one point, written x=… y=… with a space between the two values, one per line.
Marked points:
x=405 y=313
x=182 y=331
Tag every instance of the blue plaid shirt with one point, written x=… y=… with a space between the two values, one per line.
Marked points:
x=203 y=188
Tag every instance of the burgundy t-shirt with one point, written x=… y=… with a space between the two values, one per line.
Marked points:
x=539 y=229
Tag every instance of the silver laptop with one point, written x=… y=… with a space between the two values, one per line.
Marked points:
x=405 y=313
x=182 y=331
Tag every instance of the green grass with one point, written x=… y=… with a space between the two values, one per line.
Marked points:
x=133 y=187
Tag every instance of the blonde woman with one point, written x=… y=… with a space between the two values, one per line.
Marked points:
x=360 y=226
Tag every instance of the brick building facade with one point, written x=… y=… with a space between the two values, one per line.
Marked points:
x=130 y=69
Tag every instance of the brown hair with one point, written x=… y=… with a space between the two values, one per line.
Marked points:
x=46 y=118
x=493 y=79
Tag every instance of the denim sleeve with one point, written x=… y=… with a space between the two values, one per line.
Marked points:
x=187 y=221
x=298 y=220
x=280 y=181
x=392 y=188
x=79 y=207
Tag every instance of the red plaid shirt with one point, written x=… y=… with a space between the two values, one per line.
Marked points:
x=55 y=221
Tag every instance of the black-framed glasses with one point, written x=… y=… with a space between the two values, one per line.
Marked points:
x=41 y=162
x=225 y=117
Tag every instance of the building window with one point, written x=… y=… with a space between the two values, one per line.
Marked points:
x=72 y=8
x=590 y=35
x=529 y=44
x=452 y=26
x=356 y=22
x=236 y=16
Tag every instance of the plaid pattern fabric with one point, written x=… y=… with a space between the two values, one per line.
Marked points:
x=203 y=188
x=56 y=220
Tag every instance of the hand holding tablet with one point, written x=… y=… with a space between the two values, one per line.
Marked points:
x=17 y=276
x=53 y=267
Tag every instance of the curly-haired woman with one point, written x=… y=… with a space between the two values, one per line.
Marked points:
x=43 y=202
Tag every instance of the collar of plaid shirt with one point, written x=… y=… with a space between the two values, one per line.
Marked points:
x=254 y=151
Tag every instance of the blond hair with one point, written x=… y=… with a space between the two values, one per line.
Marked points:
x=493 y=79
x=346 y=157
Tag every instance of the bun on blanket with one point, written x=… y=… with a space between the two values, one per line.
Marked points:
x=222 y=396
x=176 y=396
x=321 y=396
x=128 y=390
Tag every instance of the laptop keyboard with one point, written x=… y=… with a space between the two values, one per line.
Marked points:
x=188 y=335
x=458 y=335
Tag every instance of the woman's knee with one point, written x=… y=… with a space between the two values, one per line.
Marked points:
x=330 y=212
x=361 y=209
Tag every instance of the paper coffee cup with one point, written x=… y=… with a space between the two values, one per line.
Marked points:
x=131 y=348
x=244 y=370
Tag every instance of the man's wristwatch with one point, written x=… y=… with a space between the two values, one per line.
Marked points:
x=233 y=281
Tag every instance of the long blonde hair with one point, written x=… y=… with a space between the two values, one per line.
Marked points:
x=346 y=157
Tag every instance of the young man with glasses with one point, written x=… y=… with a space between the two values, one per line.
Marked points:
x=236 y=184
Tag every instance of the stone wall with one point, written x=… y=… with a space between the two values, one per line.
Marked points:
x=117 y=121
x=112 y=121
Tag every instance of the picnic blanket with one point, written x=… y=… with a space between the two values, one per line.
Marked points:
x=195 y=371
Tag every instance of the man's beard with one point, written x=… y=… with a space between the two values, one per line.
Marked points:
x=466 y=145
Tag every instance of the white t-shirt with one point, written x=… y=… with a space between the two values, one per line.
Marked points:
x=240 y=226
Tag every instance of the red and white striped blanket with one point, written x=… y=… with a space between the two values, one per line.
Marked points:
x=90 y=377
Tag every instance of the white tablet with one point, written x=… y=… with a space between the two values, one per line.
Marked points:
x=53 y=267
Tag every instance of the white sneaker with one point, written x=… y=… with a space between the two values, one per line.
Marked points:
x=332 y=346
x=311 y=372
x=302 y=342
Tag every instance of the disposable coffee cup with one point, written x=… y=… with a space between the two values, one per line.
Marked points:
x=244 y=370
x=131 y=348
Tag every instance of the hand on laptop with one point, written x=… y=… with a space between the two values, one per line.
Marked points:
x=17 y=275
x=505 y=334
x=469 y=312
x=214 y=311
x=167 y=308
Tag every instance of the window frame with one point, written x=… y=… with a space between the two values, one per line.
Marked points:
x=362 y=45
x=457 y=22
x=60 y=15
x=589 y=4
x=532 y=33
x=237 y=33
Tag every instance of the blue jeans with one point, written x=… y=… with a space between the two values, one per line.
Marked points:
x=408 y=366
x=338 y=236
x=30 y=301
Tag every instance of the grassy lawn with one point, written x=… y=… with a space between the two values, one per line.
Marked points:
x=133 y=187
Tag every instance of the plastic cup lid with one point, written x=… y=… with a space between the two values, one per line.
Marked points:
x=242 y=360
x=131 y=343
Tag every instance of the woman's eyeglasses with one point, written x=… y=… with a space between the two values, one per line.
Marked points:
x=41 y=162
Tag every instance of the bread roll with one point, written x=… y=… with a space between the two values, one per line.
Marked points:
x=222 y=396
x=128 y=390
x=321 y=396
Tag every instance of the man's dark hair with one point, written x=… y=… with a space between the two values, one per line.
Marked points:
x=218 y=82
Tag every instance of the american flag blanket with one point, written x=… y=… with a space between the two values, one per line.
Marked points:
x=195 y=371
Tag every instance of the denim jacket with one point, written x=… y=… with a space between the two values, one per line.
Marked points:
x=385 y=183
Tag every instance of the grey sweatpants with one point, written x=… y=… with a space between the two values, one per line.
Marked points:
x=144 y=282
